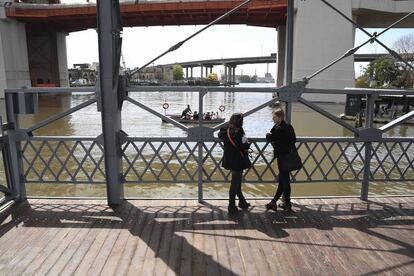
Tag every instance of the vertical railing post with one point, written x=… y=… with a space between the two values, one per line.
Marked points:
x=369 y=119
x=289 y=55
x=109 y=55
x=14 y=151
x=200 y=145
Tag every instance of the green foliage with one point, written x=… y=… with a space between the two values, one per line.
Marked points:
x=178 y=73
x=247 y=79
x=383 y=71
x=361 y=82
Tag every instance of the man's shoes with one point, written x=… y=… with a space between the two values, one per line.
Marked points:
x=286 y=207
x=271 y=205
x=233 y=210
x=244 y=204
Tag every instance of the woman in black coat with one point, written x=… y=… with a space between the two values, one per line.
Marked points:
x=283 y=138
x=235 y=144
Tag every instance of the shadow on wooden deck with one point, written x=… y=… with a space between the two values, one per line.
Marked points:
x=321 y=236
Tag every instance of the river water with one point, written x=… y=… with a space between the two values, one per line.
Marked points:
x=139 y=123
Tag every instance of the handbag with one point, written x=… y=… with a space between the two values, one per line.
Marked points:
x=290 y=162
x=245 y=156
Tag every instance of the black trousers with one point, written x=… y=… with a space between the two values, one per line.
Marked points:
x=235 y=187
x=283 y=187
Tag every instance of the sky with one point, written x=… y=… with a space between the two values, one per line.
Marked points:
x=142 y=44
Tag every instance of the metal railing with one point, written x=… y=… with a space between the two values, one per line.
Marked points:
x=197 y=157
x=115 y=158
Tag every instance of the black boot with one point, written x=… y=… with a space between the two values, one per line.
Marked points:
x=286 y=206
x=233 y=210
x=244 y=204
x=272 y=205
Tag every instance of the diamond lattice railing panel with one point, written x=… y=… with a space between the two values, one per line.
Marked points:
x=330 y=161
x=160 y=161
x=392 y=161
x=78 y=161
x=63 y=161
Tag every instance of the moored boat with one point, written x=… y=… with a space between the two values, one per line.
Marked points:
x=191 y=120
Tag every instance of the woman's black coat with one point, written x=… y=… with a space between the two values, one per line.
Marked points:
x=232 y=159
x=283 y=138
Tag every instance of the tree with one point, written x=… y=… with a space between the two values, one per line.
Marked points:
x=405 y=47
x=381 y=72
x=178 y=73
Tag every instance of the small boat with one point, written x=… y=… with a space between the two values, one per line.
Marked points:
x=190 y=120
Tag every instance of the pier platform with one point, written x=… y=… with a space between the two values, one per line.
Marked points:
x=334 y=236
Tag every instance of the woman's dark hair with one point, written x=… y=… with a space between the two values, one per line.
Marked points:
x=236 y=121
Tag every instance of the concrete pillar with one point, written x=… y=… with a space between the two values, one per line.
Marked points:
x=211 y=70
x=201 y=72
x=191 y=72
x=318 y=42
x=281 y=55
x=186 y=73
x=225 y=75
x=234 y=76
x=14 y=63
x=62 y=59
x=229 y=75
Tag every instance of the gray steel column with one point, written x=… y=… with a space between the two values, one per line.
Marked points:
x=191 y=72
x=369 y=118
x=202 y=71
x=211 y=70
x=289 y=54
x=200 y=146
x=186 y=73
x=15 y=153
x=109 y=45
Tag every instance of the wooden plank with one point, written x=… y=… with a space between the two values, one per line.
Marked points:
x=104 y=224
x=138 y=256
x=121 y=214
x=174 y=256
x=12 y=222
x=86 y=217
x=198 y=261
x=83 y=245
x=133 y=239
x=119 y=246
x=30 y=231
x=161 y=266
x=31 y=249
x=65 y=242
x=153 y=244
x=188 y=239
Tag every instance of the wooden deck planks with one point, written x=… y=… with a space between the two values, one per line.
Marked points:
x=339 y=236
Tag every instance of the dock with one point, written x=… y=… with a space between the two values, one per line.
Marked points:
x=331 y=236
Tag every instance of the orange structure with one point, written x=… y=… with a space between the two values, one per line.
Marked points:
x=70 y=18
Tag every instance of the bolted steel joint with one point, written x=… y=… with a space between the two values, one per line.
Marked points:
x=200 y=133
x=293 y=92
x=369 y=134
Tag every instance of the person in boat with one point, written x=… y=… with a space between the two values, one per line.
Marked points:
x=186 y=112
x=208 y=116
x=195 y=115
x=235 y=144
